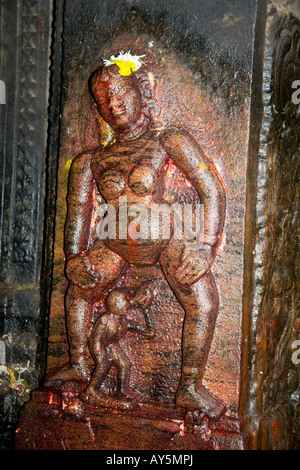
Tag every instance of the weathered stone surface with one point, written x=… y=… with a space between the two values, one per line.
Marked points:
x=207 y=100
x=225 y=73
x=72 y=425
x=24 y=68
x=273 y=380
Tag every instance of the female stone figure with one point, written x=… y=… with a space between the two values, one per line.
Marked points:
x=134 y=166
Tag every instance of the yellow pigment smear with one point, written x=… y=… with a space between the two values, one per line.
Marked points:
x=125 y=67
x=65 y=172
x=67 y=166
x=202 y=166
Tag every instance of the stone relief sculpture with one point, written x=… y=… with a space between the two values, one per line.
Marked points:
x=152 y=354
x=130 y=171
x=106 y=351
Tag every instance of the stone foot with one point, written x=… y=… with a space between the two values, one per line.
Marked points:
x=71 y=372
x=200 y=399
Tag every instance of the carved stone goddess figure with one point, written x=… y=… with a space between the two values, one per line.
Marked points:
x=134 y=166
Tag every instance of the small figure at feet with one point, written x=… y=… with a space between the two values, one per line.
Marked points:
x=109 y=329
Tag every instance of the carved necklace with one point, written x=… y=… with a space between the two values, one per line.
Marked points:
x=135 y=131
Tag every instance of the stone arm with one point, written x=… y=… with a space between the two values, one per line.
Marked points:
x=78 y=221
x=197 y=167
x=80 y=203
x=147 y=330
x=143 y=298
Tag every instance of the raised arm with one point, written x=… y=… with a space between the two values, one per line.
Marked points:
x=147 y=329
x=143 y=298
x=198 y=168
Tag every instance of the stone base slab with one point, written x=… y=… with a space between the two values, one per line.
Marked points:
x=51 y=421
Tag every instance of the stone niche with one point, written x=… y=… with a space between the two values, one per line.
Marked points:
x=220 y=94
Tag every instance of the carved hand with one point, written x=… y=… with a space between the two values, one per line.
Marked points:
x=143 y=296
x=149 y=333
x=194 y=264
x=79 y=270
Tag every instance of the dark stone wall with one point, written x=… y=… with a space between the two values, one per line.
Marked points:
x=192 y=33
x=25 y=52
x=270 y=401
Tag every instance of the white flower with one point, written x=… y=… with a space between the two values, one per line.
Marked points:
x=126 y=62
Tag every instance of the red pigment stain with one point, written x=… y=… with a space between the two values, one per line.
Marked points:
x=182 y=428
x=217 y=169
x=90 y=426
x=222 y=244
x=133 y=231
x=71 y=406
x=51 y=401
x=171 y=169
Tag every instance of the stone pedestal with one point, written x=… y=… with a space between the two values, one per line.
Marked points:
x=225 y=74
x=73 y=425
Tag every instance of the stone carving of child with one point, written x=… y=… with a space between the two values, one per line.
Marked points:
x=109 y=329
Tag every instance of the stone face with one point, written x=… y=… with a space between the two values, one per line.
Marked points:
x=225 y=74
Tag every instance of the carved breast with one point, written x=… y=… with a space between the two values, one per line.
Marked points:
x=112 y=184
x=141 y=181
